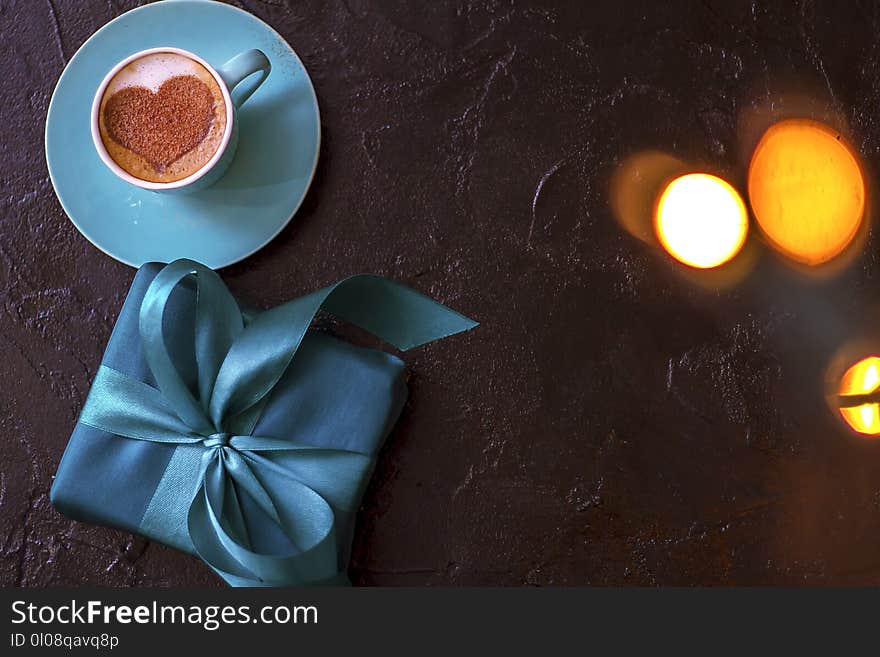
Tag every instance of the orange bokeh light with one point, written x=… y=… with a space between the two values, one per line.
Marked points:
x=701 y=220
x=806 y=190
x=856 y=396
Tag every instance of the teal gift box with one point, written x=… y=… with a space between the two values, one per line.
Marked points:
x=242 y=437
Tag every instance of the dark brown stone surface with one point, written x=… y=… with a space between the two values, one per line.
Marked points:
x=612 y=421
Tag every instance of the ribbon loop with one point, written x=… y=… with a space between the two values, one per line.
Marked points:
x=217 y=321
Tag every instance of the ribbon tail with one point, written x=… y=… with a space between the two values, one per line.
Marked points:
x=262 y=352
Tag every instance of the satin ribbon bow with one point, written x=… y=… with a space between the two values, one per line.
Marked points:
x=222 y=482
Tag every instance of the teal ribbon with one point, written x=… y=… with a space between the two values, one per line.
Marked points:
x=223 y=481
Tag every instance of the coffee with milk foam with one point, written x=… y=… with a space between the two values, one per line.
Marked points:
x=162 y=117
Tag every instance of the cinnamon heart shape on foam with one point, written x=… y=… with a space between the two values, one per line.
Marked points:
x=161 y=126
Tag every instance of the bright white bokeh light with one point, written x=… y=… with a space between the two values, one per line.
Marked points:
x=701 y=220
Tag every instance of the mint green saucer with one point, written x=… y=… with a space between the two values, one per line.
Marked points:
x=280 y=137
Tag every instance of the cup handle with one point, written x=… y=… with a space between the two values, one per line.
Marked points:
x=242 y=66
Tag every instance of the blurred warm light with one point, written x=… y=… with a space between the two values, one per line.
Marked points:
x=859 y=398
x=701 y=220
x=635 y=186
x=806 y=190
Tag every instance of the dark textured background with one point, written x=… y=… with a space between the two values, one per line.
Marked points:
x=612 y=421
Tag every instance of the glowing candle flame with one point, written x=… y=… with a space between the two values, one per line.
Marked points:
x=701 y=220
x=859 y=396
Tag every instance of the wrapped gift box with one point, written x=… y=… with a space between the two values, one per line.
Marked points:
x=333 y=396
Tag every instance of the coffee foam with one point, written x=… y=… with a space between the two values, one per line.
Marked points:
x=151 y=71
